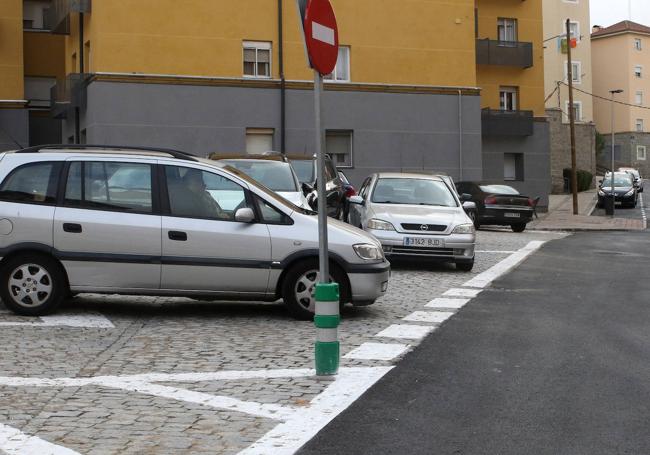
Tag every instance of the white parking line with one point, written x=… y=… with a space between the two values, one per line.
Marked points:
x=377 y=351
x=458 y=292
x=434 y=317
x=643 y=214
x=494 y=252
x=405 y=331
x=442 y=302
x=88 y=320
x=486 y=278
x=15 y=442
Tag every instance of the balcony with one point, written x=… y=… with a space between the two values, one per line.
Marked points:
x=507 y=123
x=504 y=53
x=57 y=16
x=67 y=94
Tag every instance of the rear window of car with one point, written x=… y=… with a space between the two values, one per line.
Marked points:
x=275 y=175
x=31 y=183
x=498 y=189
x=304 y=170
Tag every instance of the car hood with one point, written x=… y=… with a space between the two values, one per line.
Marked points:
x=296 y=198
x=419 y=214
x=618 y=189
x=343 y=232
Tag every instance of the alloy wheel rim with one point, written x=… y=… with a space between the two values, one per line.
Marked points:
x=305 y=289
x=30 y=285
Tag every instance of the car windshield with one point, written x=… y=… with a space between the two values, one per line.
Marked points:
x=499 y=189
x=272 y=174
x=619 y=181
x=304 y=170
x=413 y=192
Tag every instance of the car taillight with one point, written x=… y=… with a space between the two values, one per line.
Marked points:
x=350 y=191
x=490 y=200
x=530 y=202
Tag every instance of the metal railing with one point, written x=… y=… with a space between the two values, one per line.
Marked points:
x=506 y=123
x=68 y=93
x=57 y=16
x=504 y=53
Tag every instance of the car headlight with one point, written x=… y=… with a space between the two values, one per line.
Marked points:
x=464 y=229
x=380 y=225
x=630 y=193
x=368 y=252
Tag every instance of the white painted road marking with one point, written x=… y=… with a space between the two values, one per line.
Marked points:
x=15 y=442
x=457 y=292
x=87 y=320
x=494 y=252
x=434 y=317
x=442 y=302
x=486 y=278
x=323 y=33
x=405 y=331
x=377 y=351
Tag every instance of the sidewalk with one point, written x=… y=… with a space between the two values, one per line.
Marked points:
x=560 y=216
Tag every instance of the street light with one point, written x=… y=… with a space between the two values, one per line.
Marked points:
x=612 y=186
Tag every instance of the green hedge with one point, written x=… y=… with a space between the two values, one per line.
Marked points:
x=584 y=178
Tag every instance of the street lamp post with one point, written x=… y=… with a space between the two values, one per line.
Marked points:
x=613 y=187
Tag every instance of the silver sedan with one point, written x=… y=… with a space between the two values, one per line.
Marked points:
x=417 y=216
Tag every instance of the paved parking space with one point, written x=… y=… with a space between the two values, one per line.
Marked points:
x=640 y=212
x=115 y=374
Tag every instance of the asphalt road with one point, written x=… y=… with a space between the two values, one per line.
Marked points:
x=553 y=359
x=642 y=208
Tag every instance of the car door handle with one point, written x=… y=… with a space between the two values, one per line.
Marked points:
x=73 y=228
x=178 y=236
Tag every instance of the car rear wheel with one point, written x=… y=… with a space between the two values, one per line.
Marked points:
x=465 y=266
x=518 y=227
x=32 y=285
x=299 y=288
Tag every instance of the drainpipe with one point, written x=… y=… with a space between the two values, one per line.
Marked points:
x=460 y=133
x=77 y=116
x=283 y=102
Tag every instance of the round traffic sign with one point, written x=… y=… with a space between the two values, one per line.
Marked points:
x=321 y=36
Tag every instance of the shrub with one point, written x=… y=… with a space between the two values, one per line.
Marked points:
x=584 y=178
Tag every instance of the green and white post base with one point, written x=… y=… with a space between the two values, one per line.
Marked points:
x=326 y=320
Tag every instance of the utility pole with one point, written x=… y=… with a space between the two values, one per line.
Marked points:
x=572 y=121
x=611 y=174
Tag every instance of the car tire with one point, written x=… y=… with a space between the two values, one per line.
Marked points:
x=465 y=266
x=518 y=227
x=299 y=286
x=46 y=278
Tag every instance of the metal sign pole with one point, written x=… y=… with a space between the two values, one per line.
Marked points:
x=321 y=183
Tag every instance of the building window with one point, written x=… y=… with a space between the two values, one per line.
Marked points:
x=576 y=72
x=34 y=14
x=259 y=140
x=338 y=145
x=508 y=98
x=341 y=72
x=507 y=29
x=577 y=110
x=257 y=59
x=639 y=125
x=513 y=166
x=640 y=152
x=638 y=45
x=638 y=71
x=574 y=29
x=639 y=98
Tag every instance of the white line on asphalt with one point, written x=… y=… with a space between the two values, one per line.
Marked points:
x=643 y=214
x=457 y=292
x=484 y=279
x=405 y=331
x=15 y=442
x=434 y=317
x=90 y=321
x=377 y=351
x=442 y=302
x=494 y=252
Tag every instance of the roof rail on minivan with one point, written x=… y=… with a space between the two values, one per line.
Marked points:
x=173 y=153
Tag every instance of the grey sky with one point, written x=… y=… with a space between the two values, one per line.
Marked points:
x=608 y=12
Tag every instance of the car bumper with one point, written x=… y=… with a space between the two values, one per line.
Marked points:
x=367 y=283
x=619 y=198
x=454 y=248
x=506 y=215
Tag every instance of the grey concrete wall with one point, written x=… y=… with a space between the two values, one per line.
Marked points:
x=626 y=153
x=390 y=131
x=560 y=137
x=14 y=130
x=537 y=161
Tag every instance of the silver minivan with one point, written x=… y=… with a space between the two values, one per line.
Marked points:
x=77 y=219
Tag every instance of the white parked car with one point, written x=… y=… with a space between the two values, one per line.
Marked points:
x=416 y=216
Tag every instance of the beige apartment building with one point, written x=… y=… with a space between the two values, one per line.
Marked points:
x=556 y=13
x=621 y=61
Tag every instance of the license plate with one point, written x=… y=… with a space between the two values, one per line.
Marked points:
x=423 y=242
x=512 y=215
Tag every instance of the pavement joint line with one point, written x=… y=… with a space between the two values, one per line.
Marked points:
x=405 y=331
x=86 y=321
x=377 y=351
x=484 y=279
x=443 y=302
x=15 y=442
x=434 y=317
x=459 y=292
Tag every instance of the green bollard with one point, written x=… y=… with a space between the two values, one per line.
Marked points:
x=326 y=320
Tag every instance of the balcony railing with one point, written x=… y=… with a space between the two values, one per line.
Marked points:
x=67 y=94
x=57 y=16
x=504 y=53
x=507 y=123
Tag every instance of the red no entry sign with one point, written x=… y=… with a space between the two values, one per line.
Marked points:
x=321 y=35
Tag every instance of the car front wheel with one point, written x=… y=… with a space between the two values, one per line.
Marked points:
x=465 y=266
x=519 y=227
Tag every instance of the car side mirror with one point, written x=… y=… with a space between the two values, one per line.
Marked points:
x=356 y=200
x=468 y=206
x=245 y=215
x=465 y=197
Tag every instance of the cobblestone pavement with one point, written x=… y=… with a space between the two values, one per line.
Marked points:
x=217 y=415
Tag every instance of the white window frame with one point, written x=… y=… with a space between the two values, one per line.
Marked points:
x=505 y=22
x=578 y=105
x=641 y=156
x=515 y=98
x=257 y=46
x=332 y=76
x=577 y=25
x=639 y=123
x=638 y=44
x=347 y=133
x=638 y=74
x=638 y=99
x=577 y=72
